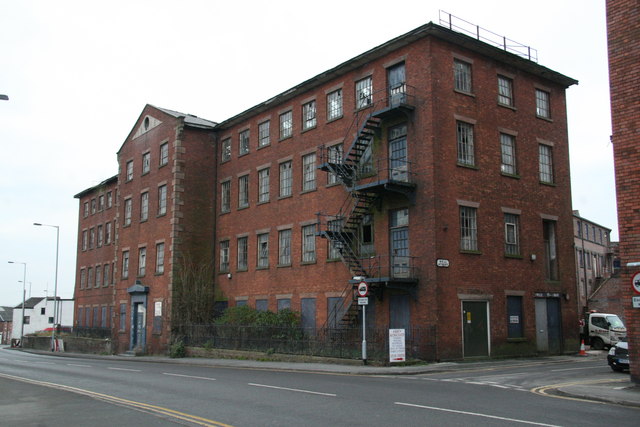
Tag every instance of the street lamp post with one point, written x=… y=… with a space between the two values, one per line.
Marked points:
x=55 y=286
x=24 y=281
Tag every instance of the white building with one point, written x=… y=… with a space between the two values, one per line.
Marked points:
x=38 y=315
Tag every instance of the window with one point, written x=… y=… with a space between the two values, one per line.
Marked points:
x=226 y=150
x=309 y=115
x=83 y=278
x=144 y=206
x=309 y=243
x=515 y=327
x=101 y=203
x=334 y=252
x=164 y=154
x=86 y=209
x=146 y=163
x=26 y=320
x=334 y=105
x=286 y=179
x=125 y=264
x=284 y=247
x=243 y=253
x=286 y=125
x=109 y=200
x=264 y=134
x=129 y=170
x=127 y=212
x=224 y=256
x=505 y=91
x=508 y=154
x=103 y=323
x=466 y=155
x=284 y=304
x=399 y=240
x=546 y=163
x=462 y=76
x=107 y=233
x=142 y=261
x=244 y=142
x=334 y=153
x=80 y=317
x=511 y=234
x=550 y=249
x=225 y=196
x=84 y=240
x=262 y=305
x=263 y=250
x=92 y=238
x=542 y=104
x=263 y=185
x=93 y=206
x=100 y=236
x=243 y=191
x=162 y=200
x=123 y=317
x=106 y=270
x=159 y=258
x=43 y=311
x=366 y=235
x=364 y=93
x=309 y=172
x=98 y=275
x=468 y=229
x=90 y=278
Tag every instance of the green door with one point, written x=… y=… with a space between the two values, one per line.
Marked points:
x=475 y=328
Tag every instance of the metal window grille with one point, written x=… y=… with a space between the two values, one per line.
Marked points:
x=462 y=76
x=242 y=253
x=243 y=191
x=466 y=155
x=468 y=229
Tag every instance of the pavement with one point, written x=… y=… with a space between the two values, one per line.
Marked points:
x=617 y=390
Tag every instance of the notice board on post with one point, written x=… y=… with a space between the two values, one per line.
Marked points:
x=396 y=345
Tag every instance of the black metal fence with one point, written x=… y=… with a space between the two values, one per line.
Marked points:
x=346 y=343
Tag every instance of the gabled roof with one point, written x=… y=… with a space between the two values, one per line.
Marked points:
x=189 y=119
x=6 y=314
x=89 y=190
x=30 y=303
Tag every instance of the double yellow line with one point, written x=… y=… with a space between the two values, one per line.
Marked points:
x=544 y=390
x=157 y=410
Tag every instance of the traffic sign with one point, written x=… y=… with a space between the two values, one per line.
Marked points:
x=363 y=289
x=363 y=300
x=635 y=282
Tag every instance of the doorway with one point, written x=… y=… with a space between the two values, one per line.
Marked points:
x=548 y=325
x=475 y=328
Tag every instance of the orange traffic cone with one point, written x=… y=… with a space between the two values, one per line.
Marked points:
x=582 y=350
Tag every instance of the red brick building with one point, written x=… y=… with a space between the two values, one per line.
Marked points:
x=623 y=32
x=435 y=165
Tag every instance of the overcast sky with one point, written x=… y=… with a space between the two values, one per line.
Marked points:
x=78 y=74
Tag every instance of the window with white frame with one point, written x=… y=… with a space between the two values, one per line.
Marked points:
x=284 y=247
x=309 y=172
x=243 y=253
x=264 y=133
x=466 y=154
x=364 y=92
x=334 y=105
x=542 y=104
x=225 y=196
x=129 y=170
x=309 y=115
x=162 y=200
x=468 y=229
x=546 y=163
x=263 y=185
x=142 y=261
x=508 y=154
x=224 y=256
x=159 y=258
x=125 y=264
x=505 y=91
x=144 y=206
x=243 y=139
x=226 y=150
x=164 y=154
x=286 y=179
x=128 y=206
x=243 y=191
x=286 y=125
x=462 y=76
x=146 y=163
x=511 y=234
x=263 y=250
x=309 y=243
x=335 y=155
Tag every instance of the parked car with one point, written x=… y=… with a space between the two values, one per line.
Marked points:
x=618 y=357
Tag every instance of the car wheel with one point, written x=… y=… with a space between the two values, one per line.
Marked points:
x=597 y=344
x=616 y=368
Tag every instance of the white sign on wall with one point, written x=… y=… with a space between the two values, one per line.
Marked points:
x=396 y=345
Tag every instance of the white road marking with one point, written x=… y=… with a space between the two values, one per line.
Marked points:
x=124 y=369
x=79 y=366
x=475 y=414
x=576 y=369
x=189 y=376
x=293 y=389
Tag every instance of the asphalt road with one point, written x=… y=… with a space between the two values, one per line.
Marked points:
x=51 y=390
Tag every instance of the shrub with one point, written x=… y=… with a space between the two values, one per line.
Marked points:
x=177 y=350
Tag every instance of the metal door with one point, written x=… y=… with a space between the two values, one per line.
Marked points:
x=542 y=333
x=138 y=325
x=475 y=327
x=554 y=325
x=399 y=315
x=397 y=86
